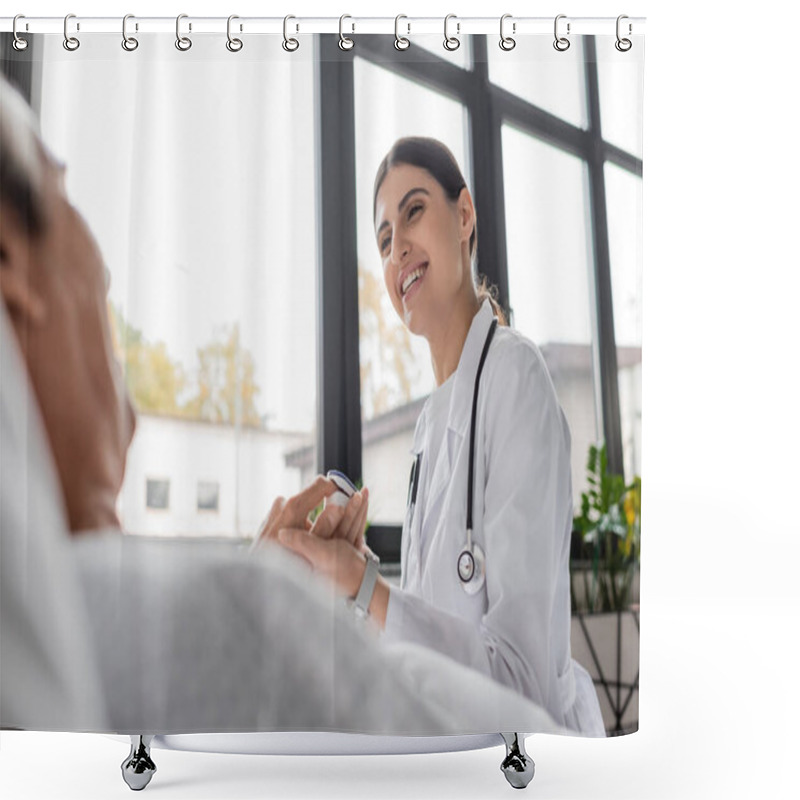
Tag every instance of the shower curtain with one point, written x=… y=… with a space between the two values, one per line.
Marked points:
x=230 y=189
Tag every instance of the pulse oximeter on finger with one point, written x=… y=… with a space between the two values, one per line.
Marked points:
x=346 y=487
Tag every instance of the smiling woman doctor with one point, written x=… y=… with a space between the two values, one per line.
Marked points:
x=491 y=443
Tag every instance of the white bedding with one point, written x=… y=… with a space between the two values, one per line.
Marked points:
x=198 y=637
x=118 y=634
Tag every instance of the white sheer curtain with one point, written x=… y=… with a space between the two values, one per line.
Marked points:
x=196 y=171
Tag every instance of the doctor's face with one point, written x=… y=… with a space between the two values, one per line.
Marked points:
x=423 y=241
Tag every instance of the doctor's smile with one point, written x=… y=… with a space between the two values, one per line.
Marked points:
x=410 y=278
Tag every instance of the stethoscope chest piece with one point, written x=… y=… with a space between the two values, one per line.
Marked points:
x=472 y=569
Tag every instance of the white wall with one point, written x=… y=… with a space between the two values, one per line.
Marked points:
x=185 y=452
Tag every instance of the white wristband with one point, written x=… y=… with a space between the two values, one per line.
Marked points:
x=362 y=600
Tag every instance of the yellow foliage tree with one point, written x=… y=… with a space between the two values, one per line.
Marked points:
x=223 y=388
x=387 y=360
x=154 y=380
x=226 y=387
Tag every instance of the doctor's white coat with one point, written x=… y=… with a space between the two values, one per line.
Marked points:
x=516 y=628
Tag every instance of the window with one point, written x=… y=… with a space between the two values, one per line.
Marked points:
x=621 y=88
x=157 y=494
x=212 y=256
x=207 y=277
x=549 y=270
x=532 y=142
x=624 y=192
x=208 y=496
x=552 y=81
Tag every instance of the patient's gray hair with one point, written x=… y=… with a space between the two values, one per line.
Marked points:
x=21 y=164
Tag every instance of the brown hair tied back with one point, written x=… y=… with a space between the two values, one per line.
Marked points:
x=435 y=157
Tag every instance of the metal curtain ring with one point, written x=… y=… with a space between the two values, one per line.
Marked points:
x=344 y=42
x=507 y=42
x=129 y=43
x=451 y=42
x=561 y=43
x=400 y=42
x=623 y=45
x=71 y=43
x=290 y=45
x=234 y=45
x=19 y=43
x=183 y=43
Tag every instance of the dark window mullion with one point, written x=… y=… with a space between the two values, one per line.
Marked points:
x=487 y=171
x=622 y=158
x=606 y=340
x=339 y=384
x=416 y=64
x=541 y=124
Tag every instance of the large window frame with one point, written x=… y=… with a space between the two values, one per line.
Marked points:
x=339 y=434
x=489 y=107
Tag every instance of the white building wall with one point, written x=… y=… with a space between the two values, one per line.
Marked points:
x=186 y=452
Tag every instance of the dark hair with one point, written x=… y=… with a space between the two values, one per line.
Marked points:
x=20 y=192
x=435 y=157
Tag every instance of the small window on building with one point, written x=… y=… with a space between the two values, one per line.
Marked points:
x=158 y=494
x=207 y=496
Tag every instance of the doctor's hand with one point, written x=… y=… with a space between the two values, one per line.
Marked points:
x=348 y=523
x=293 y=513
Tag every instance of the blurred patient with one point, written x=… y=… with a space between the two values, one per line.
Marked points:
x=53 y=285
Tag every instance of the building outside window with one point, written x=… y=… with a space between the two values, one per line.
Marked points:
x=208 y=496
x=157 y=494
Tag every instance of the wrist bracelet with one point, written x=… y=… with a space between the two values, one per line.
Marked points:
x=360 y=604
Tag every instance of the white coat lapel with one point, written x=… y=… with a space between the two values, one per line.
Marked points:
x=459 y=413
x=440 y=478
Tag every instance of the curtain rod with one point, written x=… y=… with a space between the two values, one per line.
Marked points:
x=407 y=26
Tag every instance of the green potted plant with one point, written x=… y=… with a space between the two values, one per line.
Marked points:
x=604 y=587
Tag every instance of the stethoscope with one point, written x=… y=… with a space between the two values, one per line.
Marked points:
x=471 y=560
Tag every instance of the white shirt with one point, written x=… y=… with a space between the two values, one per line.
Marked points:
x=516 y=628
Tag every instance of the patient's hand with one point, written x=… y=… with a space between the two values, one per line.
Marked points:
x=346 y=523
x=293 y=513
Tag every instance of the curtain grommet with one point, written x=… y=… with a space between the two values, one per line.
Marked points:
x=451 y=43
x=129 y=43
x=19 y=43
x=289 y=44
x=561 y=43
x=401 y=42
x=71 y=43
x=233 y=44
x=507 y=43
x=182 y=43
x=345 y=43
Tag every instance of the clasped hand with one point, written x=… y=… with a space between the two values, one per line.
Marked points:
x=333 y=544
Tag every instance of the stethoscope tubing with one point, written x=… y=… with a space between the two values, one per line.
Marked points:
x=415 y=469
